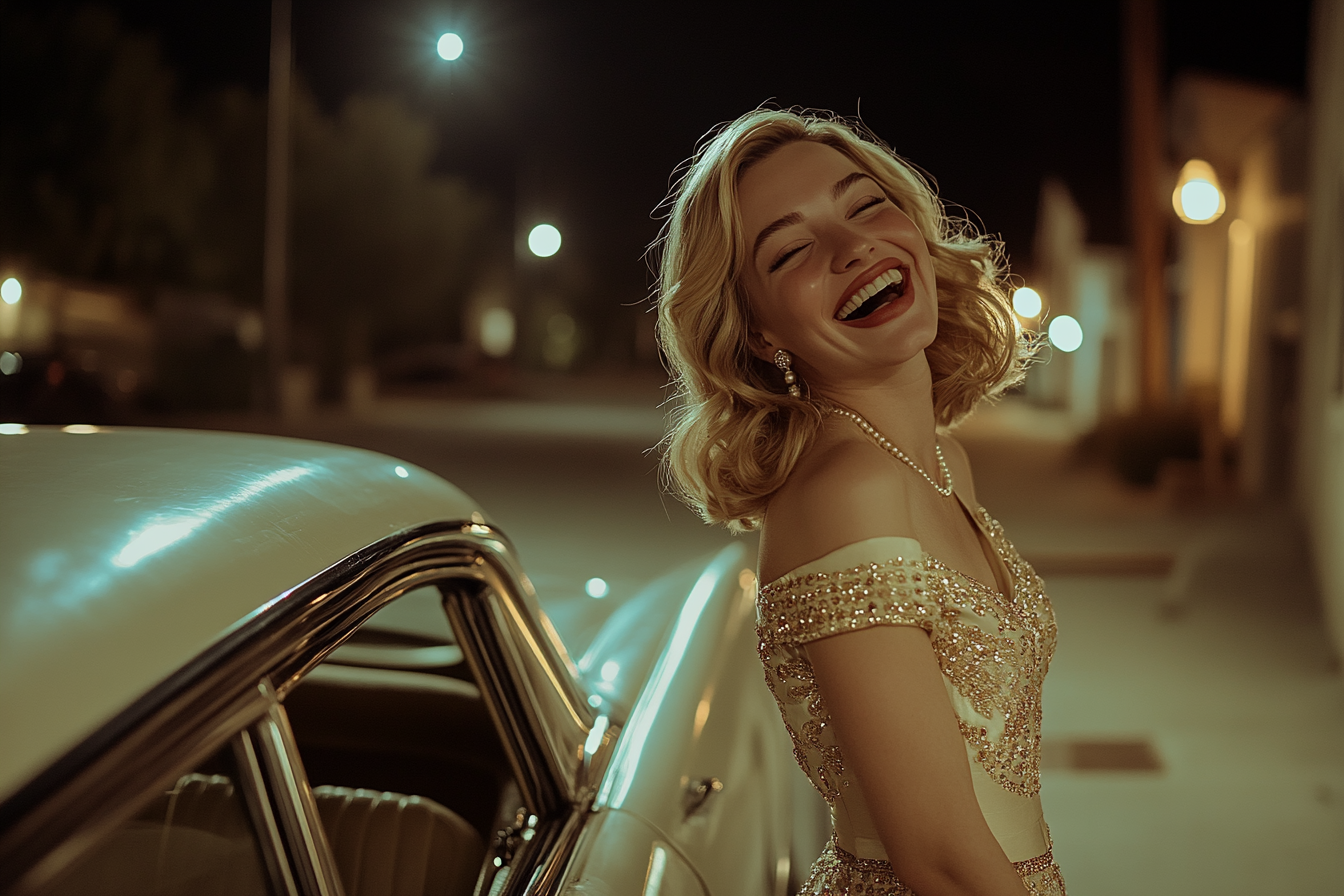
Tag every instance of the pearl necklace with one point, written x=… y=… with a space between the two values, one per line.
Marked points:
x=883 y=442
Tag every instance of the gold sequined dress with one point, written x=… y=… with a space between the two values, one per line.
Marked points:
x=993 y=651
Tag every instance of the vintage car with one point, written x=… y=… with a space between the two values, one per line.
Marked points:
x=242 y=664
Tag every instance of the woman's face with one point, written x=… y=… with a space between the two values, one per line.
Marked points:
x=836 y=274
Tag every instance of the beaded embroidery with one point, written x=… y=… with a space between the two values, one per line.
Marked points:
x=838 y=873
x=993 y=648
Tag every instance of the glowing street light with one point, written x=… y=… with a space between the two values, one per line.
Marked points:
x=498 y=332
x=11 y=291
x=1026 y=302
x=544 y=241
x=1066 y=334
x=450 y=46
x=1197 y=197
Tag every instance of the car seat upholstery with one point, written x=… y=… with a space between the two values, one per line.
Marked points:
x=196 y=839
x=400 y=731
x=204 y=802
x=193 y=839
x=390 y=844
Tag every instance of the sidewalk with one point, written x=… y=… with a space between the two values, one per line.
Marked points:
x=1217 y=671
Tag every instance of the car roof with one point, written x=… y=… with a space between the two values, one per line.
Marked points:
x=125 y=552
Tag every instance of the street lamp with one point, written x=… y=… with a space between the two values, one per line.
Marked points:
x=1026 y=302
x=10 y=293
x=1197 y=197
x=450 y=46
x=498 y=332
x=1066 y=334
x=544 y=240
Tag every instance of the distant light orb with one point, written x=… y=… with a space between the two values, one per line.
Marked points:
x=1199 y=200
x=610 y=669
x=596 y=588
x=250 y=331
x=1026 y=302
x=498 y=332
x=10 y=362
x=1066 y=334
x=544 y=241
x=450 y=46
x=12 y=429
x=11 y=291
x=401 y=471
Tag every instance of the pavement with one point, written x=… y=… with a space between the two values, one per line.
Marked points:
x=1194 y=710
x=1208 y=681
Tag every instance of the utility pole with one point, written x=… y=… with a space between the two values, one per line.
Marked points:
x=275 y=257
x=1148 y=226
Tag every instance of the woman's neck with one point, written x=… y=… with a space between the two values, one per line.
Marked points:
x=899 y=406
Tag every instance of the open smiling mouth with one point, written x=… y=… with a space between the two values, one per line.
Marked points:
x=887 y=288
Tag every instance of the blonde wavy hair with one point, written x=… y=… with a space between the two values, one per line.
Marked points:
x=736 y=434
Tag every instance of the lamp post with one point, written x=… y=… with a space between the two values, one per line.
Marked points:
x=1143 y=113
x=275 y=274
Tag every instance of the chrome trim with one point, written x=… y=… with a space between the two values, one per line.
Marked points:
x=500 y=631
x=314 y=861
x=545 y=877
x=536 y=856
x=253 y=785
x=530 y=683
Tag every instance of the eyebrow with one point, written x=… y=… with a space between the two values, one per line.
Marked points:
x=837 y=190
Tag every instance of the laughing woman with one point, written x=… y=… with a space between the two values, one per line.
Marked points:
x=826 y=321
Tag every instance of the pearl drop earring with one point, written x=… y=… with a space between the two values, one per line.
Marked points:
x=784 y=361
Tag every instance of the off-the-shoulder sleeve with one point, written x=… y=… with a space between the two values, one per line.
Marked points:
x=878 y=581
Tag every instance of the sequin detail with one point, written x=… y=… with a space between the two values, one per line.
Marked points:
x=993 y=648
x=839 y=873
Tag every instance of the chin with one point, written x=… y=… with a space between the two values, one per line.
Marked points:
x=917 y=335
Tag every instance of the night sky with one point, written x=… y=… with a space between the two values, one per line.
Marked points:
x=581 y=110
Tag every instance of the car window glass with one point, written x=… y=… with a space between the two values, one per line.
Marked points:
x=418 y=612
x=408 y=772
x=196 y=838
x=409 y=633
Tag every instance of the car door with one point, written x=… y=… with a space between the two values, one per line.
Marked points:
x=507 y=710
x=698 y=762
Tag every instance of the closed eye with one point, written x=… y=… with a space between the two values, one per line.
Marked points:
x=868 y=203
x=779 y=262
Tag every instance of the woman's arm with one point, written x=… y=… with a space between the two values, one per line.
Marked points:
x=900 y=739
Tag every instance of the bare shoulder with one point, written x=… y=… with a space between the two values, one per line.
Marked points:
x=842 y=491
x=959 y=464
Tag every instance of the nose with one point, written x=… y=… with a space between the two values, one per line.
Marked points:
x=853 y=248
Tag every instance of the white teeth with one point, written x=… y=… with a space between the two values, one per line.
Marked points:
x=867 y=292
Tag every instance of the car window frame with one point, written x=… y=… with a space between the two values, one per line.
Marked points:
x=237 y=686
